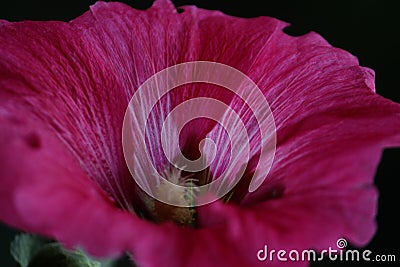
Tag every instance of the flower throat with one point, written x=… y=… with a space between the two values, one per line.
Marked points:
x=159 y=212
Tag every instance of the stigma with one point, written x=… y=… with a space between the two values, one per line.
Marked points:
x=185 y=213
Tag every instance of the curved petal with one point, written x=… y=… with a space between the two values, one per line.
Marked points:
x=72 y=95
x=44 y=190
x=331 y=130
x=329 y=120
x=325 y=110
x=70 y=87
x=62 y=101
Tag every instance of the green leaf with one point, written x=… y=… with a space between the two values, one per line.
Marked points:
x=79 y=258
x=31 y=251
x=24 y=247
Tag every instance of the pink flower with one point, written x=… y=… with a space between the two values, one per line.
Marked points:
x=64 y=88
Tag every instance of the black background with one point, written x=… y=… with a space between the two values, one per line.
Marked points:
x=366 y=28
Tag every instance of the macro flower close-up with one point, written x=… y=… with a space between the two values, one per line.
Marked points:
x=87 y=165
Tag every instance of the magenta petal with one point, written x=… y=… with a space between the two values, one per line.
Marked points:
x=314 y=220
x=43 y=193
x=331 y=130
x=69 y=87
x=51 y=195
